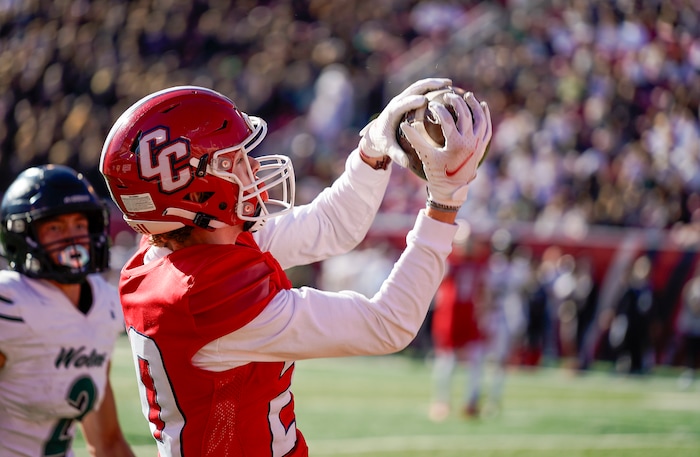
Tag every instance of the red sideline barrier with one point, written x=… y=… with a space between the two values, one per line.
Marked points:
x=674 y=254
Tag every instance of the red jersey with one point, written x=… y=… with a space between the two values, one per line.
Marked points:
x=455 y=319
x=174 y=306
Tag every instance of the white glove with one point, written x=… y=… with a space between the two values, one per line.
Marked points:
x=450 y=168
x=379 y=136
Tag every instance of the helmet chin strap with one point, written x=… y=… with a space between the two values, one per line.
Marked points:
x=200 y=219
x=248 y=226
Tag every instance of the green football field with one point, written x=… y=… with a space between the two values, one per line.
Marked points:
x=377 y=407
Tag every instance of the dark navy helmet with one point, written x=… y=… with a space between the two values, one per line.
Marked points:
x=48 y=191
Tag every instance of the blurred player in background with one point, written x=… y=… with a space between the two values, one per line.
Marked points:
x=59 y=320
x=504 y=314
x=630 y=331
x=214 y=324
x=456 y=327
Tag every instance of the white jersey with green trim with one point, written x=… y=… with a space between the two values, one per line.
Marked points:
x=56 y=364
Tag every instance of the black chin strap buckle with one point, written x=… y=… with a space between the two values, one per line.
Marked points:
x=202 y=220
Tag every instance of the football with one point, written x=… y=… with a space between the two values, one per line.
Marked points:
x=424 y=120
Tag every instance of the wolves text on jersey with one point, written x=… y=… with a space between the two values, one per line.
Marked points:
x=79 y=358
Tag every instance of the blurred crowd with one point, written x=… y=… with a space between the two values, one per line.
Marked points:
x=595 y=103
x=597 y=115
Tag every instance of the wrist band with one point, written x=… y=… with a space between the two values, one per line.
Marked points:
x=380 y=164
x=440 y=207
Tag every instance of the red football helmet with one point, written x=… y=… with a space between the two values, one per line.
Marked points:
x=167 y=164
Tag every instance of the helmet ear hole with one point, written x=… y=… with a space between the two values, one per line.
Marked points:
x=198 y=197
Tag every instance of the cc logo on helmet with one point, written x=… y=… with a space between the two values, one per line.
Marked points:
x=164 y=161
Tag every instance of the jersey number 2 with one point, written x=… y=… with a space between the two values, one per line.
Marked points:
x=81 y=396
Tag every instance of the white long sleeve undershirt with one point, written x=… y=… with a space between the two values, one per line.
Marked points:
x=305 y=323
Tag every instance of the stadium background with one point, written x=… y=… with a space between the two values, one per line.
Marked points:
x=595 y=107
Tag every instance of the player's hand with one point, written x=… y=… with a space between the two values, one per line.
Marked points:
x=451 y=167
x=379 y=136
